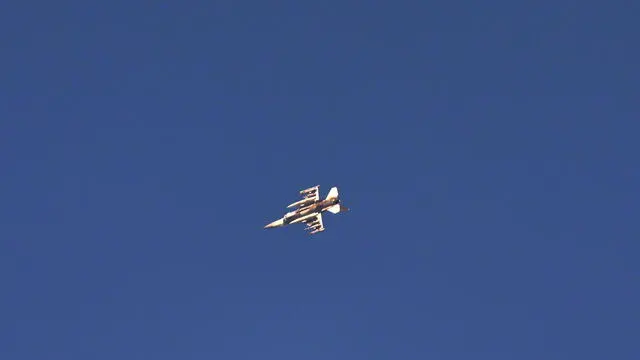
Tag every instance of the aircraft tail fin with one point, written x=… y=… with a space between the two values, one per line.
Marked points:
x=333 y=193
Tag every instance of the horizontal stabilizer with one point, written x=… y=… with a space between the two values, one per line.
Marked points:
x=334 y=209
x=333 y=193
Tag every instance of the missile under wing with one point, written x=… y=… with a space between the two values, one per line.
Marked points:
x=309 y=196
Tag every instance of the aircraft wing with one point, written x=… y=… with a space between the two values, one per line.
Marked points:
x=309 y=196
x=314 y=224
x=311 y=193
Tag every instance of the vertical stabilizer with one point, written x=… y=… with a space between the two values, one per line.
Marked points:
x=333 y=193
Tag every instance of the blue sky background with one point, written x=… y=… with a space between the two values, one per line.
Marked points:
x=488 y=151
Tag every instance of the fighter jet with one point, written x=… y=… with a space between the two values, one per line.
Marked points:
x=309 y=210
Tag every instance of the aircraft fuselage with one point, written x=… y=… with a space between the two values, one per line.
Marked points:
x=316 y=207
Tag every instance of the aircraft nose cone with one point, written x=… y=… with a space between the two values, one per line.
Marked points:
x=276 y=223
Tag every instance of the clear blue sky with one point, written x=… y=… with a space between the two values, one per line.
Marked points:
x=488 y=151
